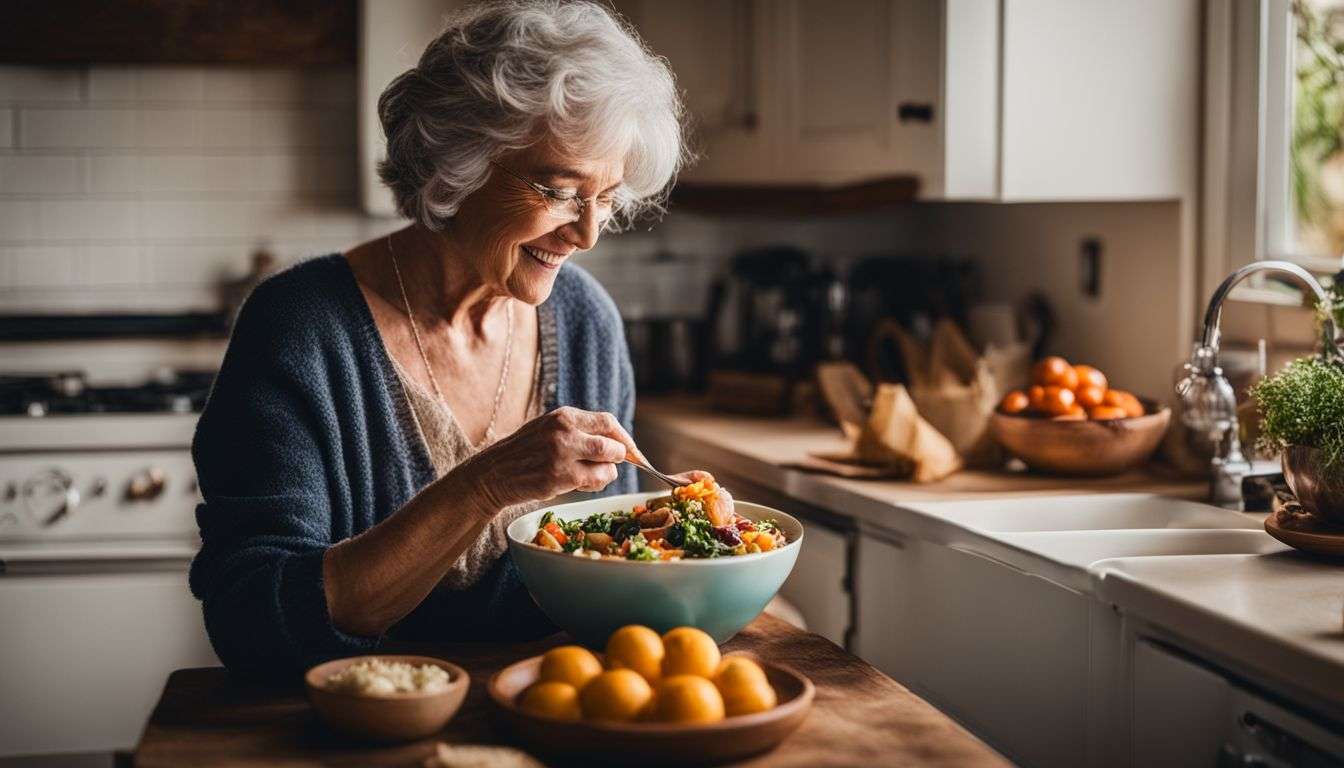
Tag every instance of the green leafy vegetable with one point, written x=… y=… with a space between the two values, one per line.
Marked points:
x=640 y=549
x=697 y=537
x=598 y=522
x=1303 y=404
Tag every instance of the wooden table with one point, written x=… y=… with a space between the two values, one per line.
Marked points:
x=860 y=716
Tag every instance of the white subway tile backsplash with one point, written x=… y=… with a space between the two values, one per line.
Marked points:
x=39 y=175
x=227 y=84
x=110 y=265
x=130 y=177
x=112 y=83
x=40 y=266
x=195 y=264
x=226 y=129
x=87 y=219
x=195 y=219
x=114 y=174
x=18 y=83
x=170 y=128
x=69 y=128
x=171 y=84
x=284 y=86
x=18 y=220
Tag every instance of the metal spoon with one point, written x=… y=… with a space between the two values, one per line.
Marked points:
x=643 y=463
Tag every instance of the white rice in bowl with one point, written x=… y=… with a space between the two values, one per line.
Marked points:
x=376 y=677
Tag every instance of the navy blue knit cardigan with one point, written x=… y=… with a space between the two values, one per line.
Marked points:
x=308 y=439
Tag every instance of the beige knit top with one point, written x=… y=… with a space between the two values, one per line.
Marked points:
x=449 y=446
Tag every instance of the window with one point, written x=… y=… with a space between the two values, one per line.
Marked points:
x=1302 y=186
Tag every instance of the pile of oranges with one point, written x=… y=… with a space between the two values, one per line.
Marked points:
x=677 y=678
x=1065 y=392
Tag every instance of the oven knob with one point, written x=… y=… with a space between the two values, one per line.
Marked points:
x=50 y=496
x=146 y=485
x=97 y=488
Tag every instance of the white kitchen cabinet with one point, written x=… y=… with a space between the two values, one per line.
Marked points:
x=1002 y=651
x=1015 y=100
x=1190 y=713
x=713 y=47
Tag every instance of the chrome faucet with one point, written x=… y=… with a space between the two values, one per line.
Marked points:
x=1208 y=402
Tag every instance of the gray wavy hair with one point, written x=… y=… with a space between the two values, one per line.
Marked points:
x=505 y=75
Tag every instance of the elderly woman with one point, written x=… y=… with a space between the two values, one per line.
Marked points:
x=382 y=415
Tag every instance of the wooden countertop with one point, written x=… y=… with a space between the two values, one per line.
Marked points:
x=757 y=447
x=860 y=716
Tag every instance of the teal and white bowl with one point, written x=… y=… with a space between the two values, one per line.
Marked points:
x=590 y=599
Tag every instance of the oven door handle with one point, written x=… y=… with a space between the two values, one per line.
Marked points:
x=90 y=566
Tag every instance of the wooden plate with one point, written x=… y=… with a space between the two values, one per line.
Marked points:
x=1327 y=544
x=654 y=743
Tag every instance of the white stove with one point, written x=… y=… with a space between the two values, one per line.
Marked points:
x=97 y=529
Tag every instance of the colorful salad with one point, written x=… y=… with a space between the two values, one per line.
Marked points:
x=695 y=521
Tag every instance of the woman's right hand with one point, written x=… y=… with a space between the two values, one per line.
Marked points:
x=568 y=449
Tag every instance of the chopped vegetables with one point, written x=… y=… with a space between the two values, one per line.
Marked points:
x=695 y=521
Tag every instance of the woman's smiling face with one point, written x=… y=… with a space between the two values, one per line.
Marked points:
x=508 y=231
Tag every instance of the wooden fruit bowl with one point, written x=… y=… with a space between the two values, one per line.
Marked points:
x=1091 y=448
x=730 y=739
x=395 y=717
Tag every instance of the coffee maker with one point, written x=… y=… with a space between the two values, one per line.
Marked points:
x=773 y=312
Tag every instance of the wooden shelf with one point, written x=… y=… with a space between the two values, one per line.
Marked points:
x=269 y=32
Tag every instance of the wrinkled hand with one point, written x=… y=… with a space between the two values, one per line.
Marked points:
x=565 y=450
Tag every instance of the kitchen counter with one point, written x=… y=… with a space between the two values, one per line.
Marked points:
x=859 y=717
x=1224 y=590
x=1277 y=617
x=755 y=447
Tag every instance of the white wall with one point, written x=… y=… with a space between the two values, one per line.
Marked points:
x=1140 y=326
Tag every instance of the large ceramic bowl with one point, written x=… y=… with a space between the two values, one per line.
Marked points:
x=592 y=598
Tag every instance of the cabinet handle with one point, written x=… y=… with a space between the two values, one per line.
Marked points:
x=910 y=112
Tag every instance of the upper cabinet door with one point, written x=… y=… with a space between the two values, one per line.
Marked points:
x=859 y=82
x=1100 y=99
x=715 y=50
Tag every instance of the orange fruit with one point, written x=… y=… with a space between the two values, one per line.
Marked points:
x=744 y=687
x=688 y=699
x=1014 y=402
x=1089 y=396
x=569 y=664
x=638 y=648
x=1090 y=377
x=1119 y=398
x=617 y=694
x=1076 y=413
x=1106 y=413
x=1055 y=371
x=689 y=651
x=1036 y=398
x=1058 y=401
x=557 y=700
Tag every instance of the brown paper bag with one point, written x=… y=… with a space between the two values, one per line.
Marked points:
x=889 y=437
x=954 y=389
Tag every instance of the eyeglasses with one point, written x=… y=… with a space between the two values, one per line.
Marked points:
x=565 y=204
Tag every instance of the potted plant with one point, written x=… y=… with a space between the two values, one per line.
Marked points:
x=1302 y=416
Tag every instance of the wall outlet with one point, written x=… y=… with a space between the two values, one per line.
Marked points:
x=1089 y=267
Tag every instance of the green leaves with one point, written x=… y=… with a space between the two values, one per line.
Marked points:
x=1304 y=405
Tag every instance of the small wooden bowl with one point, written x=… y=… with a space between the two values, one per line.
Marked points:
x=1095 y=448
x=733 y=738
x=395 y=717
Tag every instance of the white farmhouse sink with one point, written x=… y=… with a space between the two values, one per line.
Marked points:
x=1095 y=512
